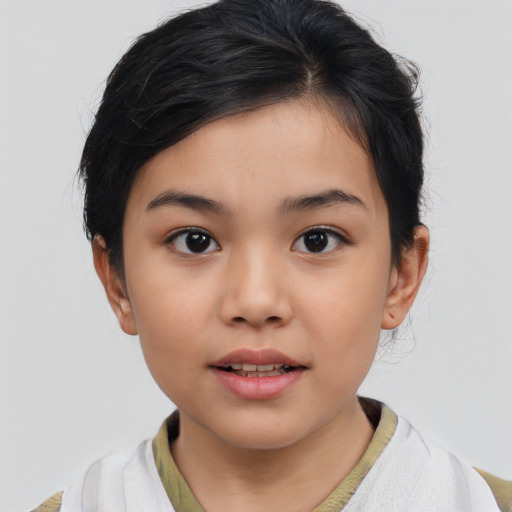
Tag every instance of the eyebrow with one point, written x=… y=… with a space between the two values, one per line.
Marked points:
x=322 y=199
x=290 y=205
x=190 y=201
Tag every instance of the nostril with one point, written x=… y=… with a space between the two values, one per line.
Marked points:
x=271 y=319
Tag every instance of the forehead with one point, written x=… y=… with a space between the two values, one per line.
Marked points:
x=284 y=150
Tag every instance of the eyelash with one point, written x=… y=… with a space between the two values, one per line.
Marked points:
x=331 y=233
x=174 y=238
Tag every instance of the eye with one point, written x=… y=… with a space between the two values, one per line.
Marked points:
x=192 y=241
x=318 y=240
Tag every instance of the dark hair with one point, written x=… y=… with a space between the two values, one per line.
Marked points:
x=237 y=55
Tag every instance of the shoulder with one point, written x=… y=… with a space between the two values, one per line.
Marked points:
x=447 y=479
x=107 y=475
x=52 y=504
x=446 y=469
x=446 y=464
x=502 y=490
x=122 y=481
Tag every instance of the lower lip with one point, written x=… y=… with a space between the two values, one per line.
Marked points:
x=257 y=388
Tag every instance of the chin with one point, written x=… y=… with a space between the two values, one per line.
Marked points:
x=261 y=439
x=263 y=433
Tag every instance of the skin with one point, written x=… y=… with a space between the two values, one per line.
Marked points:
x=259 y=286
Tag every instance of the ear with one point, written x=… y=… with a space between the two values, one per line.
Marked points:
x=114 y=286
x=406 y=279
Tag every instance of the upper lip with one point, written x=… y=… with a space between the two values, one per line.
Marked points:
x=250 y=356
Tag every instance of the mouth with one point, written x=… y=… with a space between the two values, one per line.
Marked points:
x=263 y=374
x=257 y=363
x=258 y=370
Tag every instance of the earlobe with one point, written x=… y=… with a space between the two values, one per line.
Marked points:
x=114 y=287
x=406 y=279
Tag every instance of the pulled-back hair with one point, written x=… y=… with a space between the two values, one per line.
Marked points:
x=238 y=55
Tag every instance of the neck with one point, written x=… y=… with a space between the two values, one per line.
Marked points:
x=295 y=478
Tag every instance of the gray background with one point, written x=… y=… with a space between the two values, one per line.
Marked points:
x=73 y=387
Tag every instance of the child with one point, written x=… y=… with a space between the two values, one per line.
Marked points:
x=252 y=188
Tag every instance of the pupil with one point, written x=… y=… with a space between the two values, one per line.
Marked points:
x=198 y=242
x=315 y=241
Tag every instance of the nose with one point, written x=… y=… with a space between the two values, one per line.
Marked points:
x=255 y=291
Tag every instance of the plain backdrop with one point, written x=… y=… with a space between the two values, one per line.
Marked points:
x=73 y=387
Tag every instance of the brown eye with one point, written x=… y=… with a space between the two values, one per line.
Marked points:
x=318 y=240
x=198 y=242
x=315 y=241
x=193 y=242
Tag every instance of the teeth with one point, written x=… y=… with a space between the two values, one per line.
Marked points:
x=259 y=374
x=256 y=367
x=258 y=370
x=265 y=367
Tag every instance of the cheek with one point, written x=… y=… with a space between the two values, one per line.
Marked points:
x=172 y=314
x=348 y=303
x=345 y=350
x=344 y=316
x=167 y=299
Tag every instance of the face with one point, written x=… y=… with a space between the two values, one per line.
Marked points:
x=258 y=273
